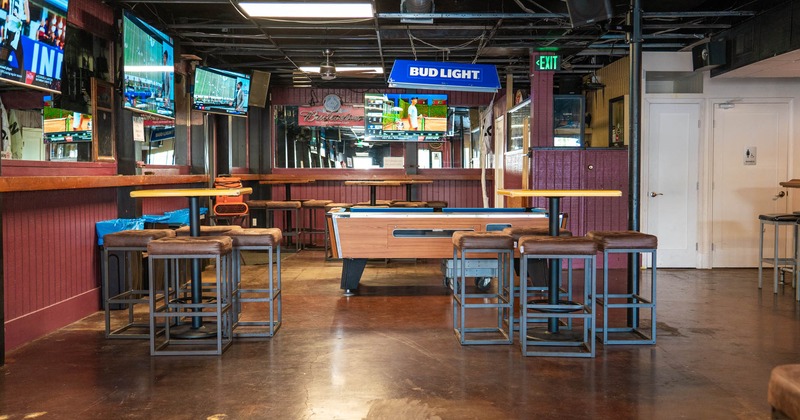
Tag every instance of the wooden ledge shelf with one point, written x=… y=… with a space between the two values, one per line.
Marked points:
x=44 y=183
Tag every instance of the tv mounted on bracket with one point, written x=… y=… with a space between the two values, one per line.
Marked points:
x=220 y=91
x=405 y=117
x=32 y=47
x=148 y=68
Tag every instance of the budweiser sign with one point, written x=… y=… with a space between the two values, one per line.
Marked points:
x=316 y=116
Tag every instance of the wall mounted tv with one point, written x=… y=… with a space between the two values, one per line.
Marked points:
x=32 y=48
x=405 y=117
x=148 y=68
x=220 y=91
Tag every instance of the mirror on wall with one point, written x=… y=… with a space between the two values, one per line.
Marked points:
x=315 y=146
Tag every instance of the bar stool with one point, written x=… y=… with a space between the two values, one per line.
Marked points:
x=218 y=230
x=378 y=203
x=412 y=204
x=501 y=300
x=563 y=343
x=215 y=311
x=776 y=221
x=130 y=246
x=536 y=280
x=313 y=210
x=267 y=241
x=783 y=391
x=437 y=205
x=291 y=227
x=328 y=208
x=627 y=242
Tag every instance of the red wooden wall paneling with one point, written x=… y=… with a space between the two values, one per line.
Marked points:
x=50 y=254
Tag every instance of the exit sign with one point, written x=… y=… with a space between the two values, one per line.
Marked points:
x=547 y=63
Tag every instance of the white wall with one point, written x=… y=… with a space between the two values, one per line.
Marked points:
x=718 y=90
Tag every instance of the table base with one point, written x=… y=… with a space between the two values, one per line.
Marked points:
x=570 y=337
x=207 y=330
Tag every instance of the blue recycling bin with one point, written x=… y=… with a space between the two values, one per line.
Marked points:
x=116 y=272
x=180 y=217
x=116 y=225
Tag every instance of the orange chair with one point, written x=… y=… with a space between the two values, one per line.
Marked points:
x=229 y=208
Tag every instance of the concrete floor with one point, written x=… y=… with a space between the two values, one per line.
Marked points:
x=390 y=353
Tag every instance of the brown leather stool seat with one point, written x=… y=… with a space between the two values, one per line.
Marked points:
x=210 y=331
x=783 y=391
x=518 y=231
x=209 y=230
x=128 y=246
x=378 y=203
x=247 y=324
x=314 y=211
x=536 y=313
x=628 y=242
x=495 y=247
x=437 y=205
x=413 y=204
x=292 y=220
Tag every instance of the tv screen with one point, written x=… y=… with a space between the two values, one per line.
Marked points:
x=405 y=117
x=61 y=125
x=220 y=91
x=32 y=47
x=148 y=68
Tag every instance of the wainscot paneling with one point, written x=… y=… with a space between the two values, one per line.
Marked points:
x=51 y=259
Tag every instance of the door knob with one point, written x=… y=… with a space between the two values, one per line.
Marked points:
x=655 y=194
x=780 y=194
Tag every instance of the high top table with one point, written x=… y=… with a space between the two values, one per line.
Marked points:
x=373 y=186
x=287 y=184
x=194 y=194
x=554 y=198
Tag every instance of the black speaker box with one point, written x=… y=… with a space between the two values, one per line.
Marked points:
x=709 y=55
x=587 y=12
x=259 y=85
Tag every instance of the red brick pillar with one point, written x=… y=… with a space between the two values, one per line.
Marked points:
x=541 y=105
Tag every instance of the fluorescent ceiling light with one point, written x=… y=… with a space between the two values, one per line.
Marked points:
x=315 y=69
x=307 y=10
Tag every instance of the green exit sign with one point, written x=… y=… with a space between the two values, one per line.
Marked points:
x=547 y=63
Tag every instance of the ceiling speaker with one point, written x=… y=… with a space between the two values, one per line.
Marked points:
x=709 y=55
x=588 y=12
x=259 y=85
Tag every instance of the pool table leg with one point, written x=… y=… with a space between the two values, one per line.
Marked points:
x=352 y=268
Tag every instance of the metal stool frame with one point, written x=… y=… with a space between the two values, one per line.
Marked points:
x=176 y=309
x=537 y=312
x=503 y=298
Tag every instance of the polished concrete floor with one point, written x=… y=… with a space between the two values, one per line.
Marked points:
x=390 y=353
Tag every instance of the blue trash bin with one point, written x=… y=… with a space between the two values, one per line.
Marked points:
x=115 y=270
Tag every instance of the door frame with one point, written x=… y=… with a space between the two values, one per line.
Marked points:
x=703 y=229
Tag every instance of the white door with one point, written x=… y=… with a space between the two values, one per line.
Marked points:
x=671 y=188
x=750 y=159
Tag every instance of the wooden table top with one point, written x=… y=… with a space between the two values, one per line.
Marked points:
x=375 y=183
x=560 y=193
x=792 y=183
x=192 y=192
x=286 y=181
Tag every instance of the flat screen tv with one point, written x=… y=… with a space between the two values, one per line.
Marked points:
x=32 y=47
x=220 y=91
x=405 y=117
x=63 y=126
x=148 y=68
